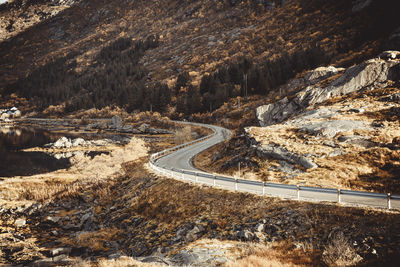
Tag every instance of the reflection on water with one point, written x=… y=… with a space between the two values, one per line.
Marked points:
x=13 y=162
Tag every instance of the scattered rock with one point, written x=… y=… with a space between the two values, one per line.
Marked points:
x=357 y=140
x=60 y=260
x=392 y=98
x=280 y=153
x=59 y=251
x=321 y=73
x=367 y=74
x=63 y=142
x=20 y=222
x=331 y=128
x=116 y=123
x=199 y=257
x=52 y=219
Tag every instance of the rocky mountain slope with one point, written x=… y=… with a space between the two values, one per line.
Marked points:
x=336 y=128
x=162 y=221
x=195 y=38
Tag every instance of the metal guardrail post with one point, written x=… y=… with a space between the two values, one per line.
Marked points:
x=389 y=204
x=196 y=177
x=298 y=192
x=183 y=175
x=263 y=188
x=214 y=178
x=236 y=184
x=339 y=196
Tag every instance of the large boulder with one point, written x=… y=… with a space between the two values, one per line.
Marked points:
x=371 y=73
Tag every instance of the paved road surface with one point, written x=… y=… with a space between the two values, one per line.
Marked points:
x=180 y=160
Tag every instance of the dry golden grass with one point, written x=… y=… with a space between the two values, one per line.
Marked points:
x=273 y=254
x=95 y=240
x=155 y=119
x=106 y=112
x=373 y=168
x=183 y=135
x=340 y=252
x=123 y=261
x=85 y=173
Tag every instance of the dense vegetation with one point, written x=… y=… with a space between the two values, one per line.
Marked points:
x=115 y=79
x=245 y=78
x=118 y=79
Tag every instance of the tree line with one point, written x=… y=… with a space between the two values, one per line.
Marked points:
x=244 y=78
x=115 y=78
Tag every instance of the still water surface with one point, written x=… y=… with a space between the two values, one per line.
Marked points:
x=14 y=162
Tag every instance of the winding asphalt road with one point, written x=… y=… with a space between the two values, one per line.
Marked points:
x=181 y=160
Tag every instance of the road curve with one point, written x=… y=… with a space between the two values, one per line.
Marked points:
x=177 y=163
x=182 y=158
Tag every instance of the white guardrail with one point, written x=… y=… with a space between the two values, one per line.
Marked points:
x=305 y=193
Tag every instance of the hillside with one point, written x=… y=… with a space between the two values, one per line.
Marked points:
x=269 y=41
x=305 y=86
x=336 y=128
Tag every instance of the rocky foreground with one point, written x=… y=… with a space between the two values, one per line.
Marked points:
x=162 y=221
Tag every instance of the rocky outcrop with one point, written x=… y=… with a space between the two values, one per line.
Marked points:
x=280 y=153
x=6 y=114
x=371 y=73
x=332 y=127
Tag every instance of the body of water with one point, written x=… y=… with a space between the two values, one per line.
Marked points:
x=14 y=162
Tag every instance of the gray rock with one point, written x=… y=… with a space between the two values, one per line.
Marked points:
x=52 y=219
x=78 y=142
x=331 y=128
x=63 y=142
x=288 y=168
x=280 y=153
x=336 y=152
x=245 y=235
x=260 y=227
x=143 y=128
x=71 y=226
x=58 y=251
x=367 y=74
x=60 y=260
x=321 y=73
x=20 y=222
x=357 y=140
x=198 y=257
x=116 y=123
x=195 y=233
